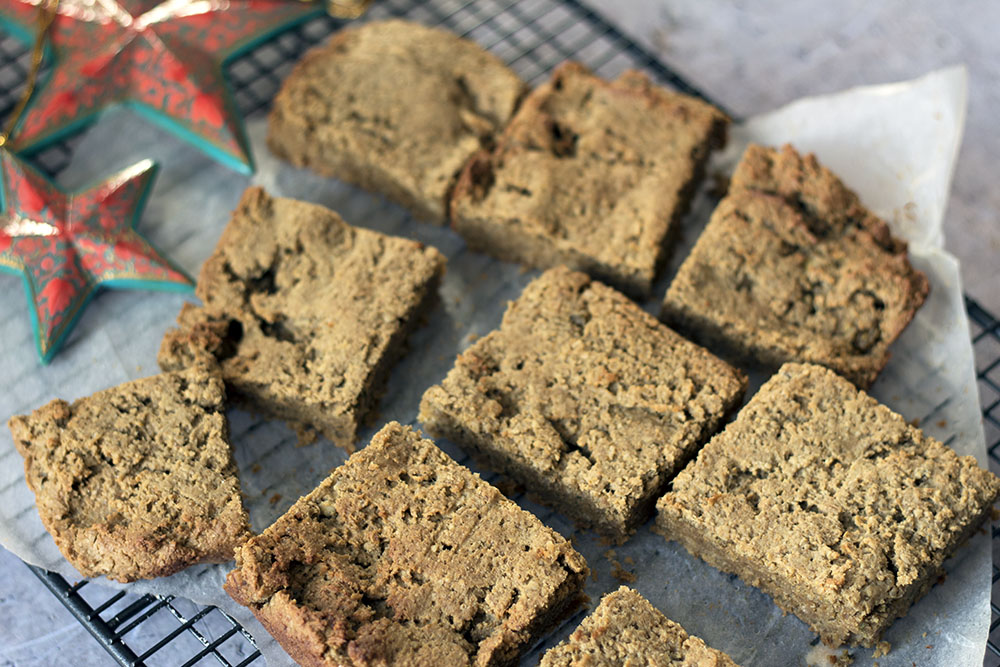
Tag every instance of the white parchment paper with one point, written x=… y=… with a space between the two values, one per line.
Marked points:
x=894 y=144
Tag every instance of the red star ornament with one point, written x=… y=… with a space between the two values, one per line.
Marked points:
x=66 y=245
x=162 y=58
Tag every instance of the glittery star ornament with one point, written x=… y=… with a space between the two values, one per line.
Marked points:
x=66 y=245
x=162 y=58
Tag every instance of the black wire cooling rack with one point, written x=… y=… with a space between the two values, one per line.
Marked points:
x=533 y=36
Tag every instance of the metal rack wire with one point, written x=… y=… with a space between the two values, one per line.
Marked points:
x=985 y=328
x=533 y=36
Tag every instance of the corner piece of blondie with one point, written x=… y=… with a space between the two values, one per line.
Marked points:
x=585 y=399
x=403 y=556
x=589 y=173
x=626 y=629
x=792 y=267
x=137 y=481
x=829 y=502
x=303 y=313
x=395 y=107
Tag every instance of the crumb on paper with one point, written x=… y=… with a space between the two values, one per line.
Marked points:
x=821 y=655
x=915 y=422
x=255 y=468
x=618 y=571
x=274 y=499
x=629 y=560
x=942 y=423
x=305 y=435
x=621 y=574
x=882 y=648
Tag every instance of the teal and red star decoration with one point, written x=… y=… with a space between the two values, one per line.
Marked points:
x=162 y=58
x=67 y=245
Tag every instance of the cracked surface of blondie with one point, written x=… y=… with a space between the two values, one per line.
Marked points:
x=590 y=174
x=792 y=267
x=404 y=557
x=626 y=629
x=585 y=399
x=394 y=107
x=304 y=313
x=136 y=481
x=829 y=502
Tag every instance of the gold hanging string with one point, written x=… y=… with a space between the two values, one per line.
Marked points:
x=46 y=14
x=347 y=9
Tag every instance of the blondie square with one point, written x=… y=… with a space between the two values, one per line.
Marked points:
x=304 y=313
x=394 y=107
x=584 y=398
x=137 y=481
x=829 y=502
x=591 y=174
x=792 y=267
x=402 y=556
x=626 y=629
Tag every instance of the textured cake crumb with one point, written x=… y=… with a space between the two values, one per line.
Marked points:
x=403 y=556
x=394 y=107
x=589 y=174
x=829 y=502
x=792 y=267
x=585 y=399
x=626 y=629
x=303 y=313
x=136 y=481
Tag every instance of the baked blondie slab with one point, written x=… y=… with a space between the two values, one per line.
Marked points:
x=591 y=174
x=829 y=502
x=394 y=107
x=626 y=629
x=402 y=556
x=137 y=481
x=585 y=399
x=792 y=267
x=304 y=313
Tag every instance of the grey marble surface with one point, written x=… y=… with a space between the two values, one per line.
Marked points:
x=750 y=57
